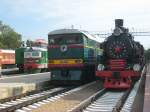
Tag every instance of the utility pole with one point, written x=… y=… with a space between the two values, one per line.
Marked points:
x=72 y=26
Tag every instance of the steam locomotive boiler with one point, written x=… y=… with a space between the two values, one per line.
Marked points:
x=123 y=58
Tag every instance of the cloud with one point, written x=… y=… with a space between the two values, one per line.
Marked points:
x=93 y=15
x=90 y=14
x=48 y=9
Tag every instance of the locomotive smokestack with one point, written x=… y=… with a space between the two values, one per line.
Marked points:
x=118 y=22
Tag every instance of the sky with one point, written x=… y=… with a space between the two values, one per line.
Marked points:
x=36 y=18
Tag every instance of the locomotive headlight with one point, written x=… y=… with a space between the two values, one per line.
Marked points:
x=37 y=60
x=100 y=67
x=136 y=67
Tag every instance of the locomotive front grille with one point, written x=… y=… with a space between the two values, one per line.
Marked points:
x=118 y=64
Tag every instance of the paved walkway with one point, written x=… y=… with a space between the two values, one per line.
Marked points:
x=146 y=107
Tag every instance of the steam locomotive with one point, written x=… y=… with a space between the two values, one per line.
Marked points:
x=123 y=58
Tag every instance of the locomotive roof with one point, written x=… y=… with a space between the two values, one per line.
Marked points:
x=71 y=31
x=36 y=48
x=7 y=51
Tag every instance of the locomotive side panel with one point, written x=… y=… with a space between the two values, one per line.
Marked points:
x=19 y=57
x=7 y=58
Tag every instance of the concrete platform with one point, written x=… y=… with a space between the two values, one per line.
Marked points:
x=9 y=70
x=146 y=107
x=14 y=89
x=16 y=85
x=28 y=78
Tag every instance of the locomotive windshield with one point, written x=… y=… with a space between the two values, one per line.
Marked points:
x=65 y=39
x=33 y=54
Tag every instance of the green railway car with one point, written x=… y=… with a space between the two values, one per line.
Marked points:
x=32 y=59
x=35 y=59
x=19 y=58
x=73 y=55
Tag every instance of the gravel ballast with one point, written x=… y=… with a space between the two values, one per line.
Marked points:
x=71 y=100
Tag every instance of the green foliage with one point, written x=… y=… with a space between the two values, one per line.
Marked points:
x=9 y=39
x=147 y=55
x=29 y=43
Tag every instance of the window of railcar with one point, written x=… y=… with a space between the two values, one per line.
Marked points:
x=97 y=45
x=65 y=39
x=13 y=56
x=85 y=40
x=27 y=54
x=91 y=42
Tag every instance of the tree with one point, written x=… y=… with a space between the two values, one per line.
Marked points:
x=147 y=55
x=29 y=43
x=9 y=39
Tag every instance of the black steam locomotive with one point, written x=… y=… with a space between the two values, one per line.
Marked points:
x=123 y=58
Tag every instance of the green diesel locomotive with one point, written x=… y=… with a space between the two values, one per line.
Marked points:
x=35 y=60
x=32 y=59
x=73 y=55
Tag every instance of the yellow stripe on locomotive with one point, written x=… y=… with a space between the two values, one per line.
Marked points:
x=66 y=61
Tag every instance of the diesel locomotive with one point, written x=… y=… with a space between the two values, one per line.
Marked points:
x=72 y=56
x=123 y=58
x=33 y=59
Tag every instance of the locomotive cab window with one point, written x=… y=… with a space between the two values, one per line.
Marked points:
x=85 y=39
x=27 y=54
x=65 y=39
x=36 y=54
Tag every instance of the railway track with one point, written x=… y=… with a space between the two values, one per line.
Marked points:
x=63 y=100
x=102 y=101
x=87 y=98
x=26 y=103
x=110 y=101
x=106 y=103
x=11 y=106
x=26 y=94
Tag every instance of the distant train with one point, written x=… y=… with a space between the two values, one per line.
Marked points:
x=7 y=58
x=123 y=58
x=32 y=59
x=72 y=55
